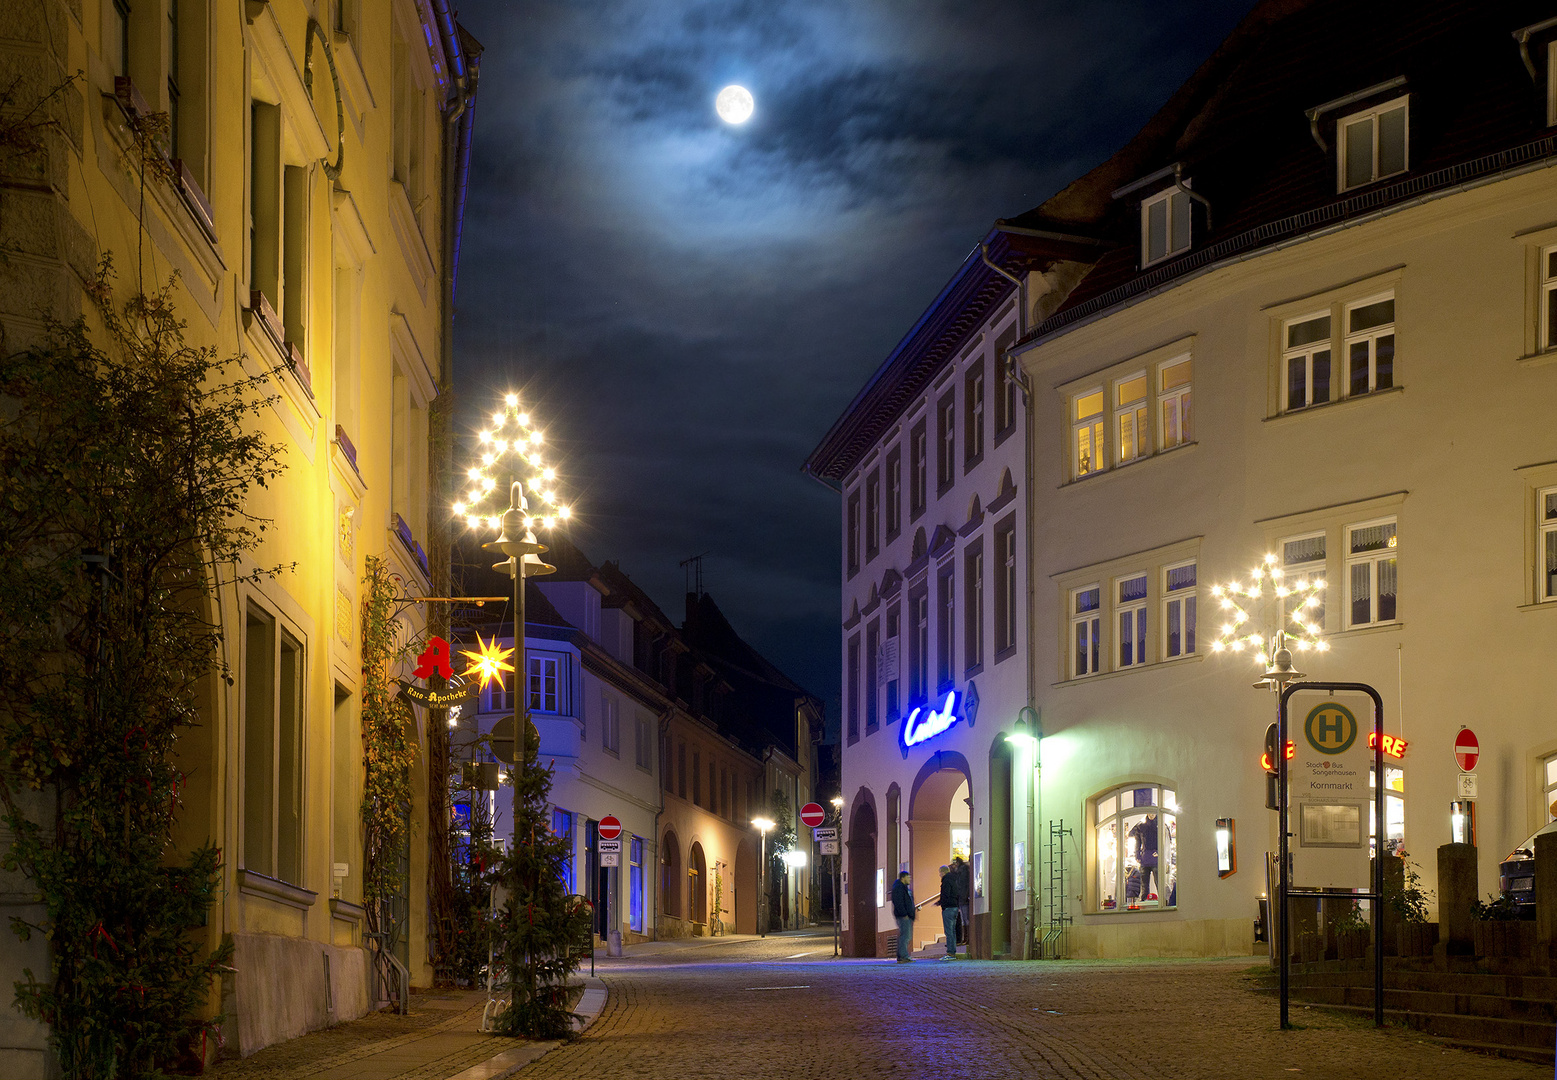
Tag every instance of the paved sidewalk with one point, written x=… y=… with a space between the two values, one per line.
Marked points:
x=439 y=1039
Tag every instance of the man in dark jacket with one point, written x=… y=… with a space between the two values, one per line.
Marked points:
x=964 y=899
x=903 y=912
x=949 y=909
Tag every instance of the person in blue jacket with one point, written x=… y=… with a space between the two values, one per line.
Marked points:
x=903 y=912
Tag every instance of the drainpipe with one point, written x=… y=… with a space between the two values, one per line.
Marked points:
x=1178 y=182
x=1523 y=36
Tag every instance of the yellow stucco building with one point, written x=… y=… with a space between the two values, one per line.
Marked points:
x=310 y=215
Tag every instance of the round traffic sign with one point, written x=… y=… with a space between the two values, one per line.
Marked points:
x=1466 y=749
x=812 y=814
x=609 y=828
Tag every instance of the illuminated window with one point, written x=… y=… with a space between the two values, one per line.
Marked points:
x=1546 y=543
x=1394 y=809
x=1549 y=297
x=562 y=825
x=1302 y=561
x=1130 y=418
x=1164 y=225
x=1549 y=782
x=1130 y=609
x=635 y=897
x=1178 y=616
x=1135 y=848
x=1370 y=573
x=1086 y=624
x=1370 y=346
x=1173 y=395
x=1087 y=433
x=1372 y=144
x=1306 y=361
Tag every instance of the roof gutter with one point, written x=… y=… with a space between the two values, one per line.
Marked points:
x=1523 y=36
x=1317 y=111
x=1176 y=171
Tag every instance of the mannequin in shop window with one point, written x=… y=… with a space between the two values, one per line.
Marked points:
x=1145 y=837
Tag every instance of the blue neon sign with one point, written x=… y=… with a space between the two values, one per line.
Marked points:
x=918 y=729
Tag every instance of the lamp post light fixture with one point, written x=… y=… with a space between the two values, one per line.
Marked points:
x=1254 y=621
x=762 y=826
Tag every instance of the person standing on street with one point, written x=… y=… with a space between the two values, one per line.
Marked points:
x=949 y=910
x=903 y=912
x=964 y=902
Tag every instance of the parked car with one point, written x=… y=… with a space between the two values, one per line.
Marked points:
x=1516 y=874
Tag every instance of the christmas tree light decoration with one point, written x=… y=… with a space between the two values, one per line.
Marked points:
x=1261 y=602
x=483 y=502
x=488 y=662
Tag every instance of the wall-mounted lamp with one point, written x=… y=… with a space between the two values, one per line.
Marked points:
x=1462 y=821
x=794 y=859
x=1226 y=848
x=1026 y=729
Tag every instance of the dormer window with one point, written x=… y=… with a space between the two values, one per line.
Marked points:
x=1164 y=225
x=1371 y=145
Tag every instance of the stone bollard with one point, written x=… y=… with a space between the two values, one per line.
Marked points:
x=1457 y=891
x=1546 y=892
x=614 y=943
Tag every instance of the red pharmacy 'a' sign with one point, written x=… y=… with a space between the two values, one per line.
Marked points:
x=1466 y=749
x=812 y=814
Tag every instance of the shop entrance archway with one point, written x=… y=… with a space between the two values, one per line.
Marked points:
x=860 y=939
x=940 y=808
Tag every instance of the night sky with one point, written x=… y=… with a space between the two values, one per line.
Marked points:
x=690 y=305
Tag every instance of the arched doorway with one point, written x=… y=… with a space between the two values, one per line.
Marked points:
x=670 y=876
x=697 y=881
x=944 y=780
x=744 y=898
x=861 y=935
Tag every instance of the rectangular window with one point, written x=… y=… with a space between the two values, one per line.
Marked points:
x=697 y=778
x=500 y=693
x=1372 y=144
x=1087 y=433
x=116 y=37
x=946 y=443
x=641 y=742
x=1130 y=418
x=1306 y=362
x=973 y=586
x=272 y=750
x=852 y=704
x=1178 y=615
x=973 y=422
x=852 y=539
x=1164 y=225
x=610 y=724
x=1548 y=336
x=1173 y=403
x=894 y=493
x=872 y=515
x=946 y=623
x=918 y=451
x=1130 y=609
x=1549 y=784
x=666 y=771
x=562 y=825
x=171 y=27
x=1005 y=587
x=294 y=255
x=543 y=684
x=1086 y=624
x=888 y=671
x=635 y=897
x=1370 y=346
x=872 y=670
x=1546 y=543
x=1302 y=561
x=1005 y=400
x=265 y=202
x=1370 y=573
x=919 y=645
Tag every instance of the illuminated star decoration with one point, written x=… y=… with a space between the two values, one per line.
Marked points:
x=510 y=447
x=489 y=662
x=1267 y=586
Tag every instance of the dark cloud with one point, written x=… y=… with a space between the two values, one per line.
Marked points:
x=691 y=305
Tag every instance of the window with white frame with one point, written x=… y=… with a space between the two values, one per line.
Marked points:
x=973 y=423
x=1549 y=786
x=1546 y=543
x=1394 y=809
x=1370 y=346
x=1165 y=221
x=1130 y=418
x=919 y=645
x=1373 y=144
x=1302 y=561
x=1135 y=846
x=1173 y=395
x=1178 y=610
x=1549 y=298
x=1086 y=626
x=1130 y=615
x=1087 y=433
x=1305 y=360
x=946 y=443
x=543 y=684
x=642 y=742
x=610 y=723
x=1551 y=84
x=1370 y=573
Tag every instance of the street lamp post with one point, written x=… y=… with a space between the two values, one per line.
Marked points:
x=763 y=825
x=837 y=801
x=1027 y=732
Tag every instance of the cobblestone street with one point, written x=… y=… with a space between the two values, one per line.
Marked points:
x=783 y=1007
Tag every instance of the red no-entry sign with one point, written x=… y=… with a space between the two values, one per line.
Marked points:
x=609 y=828
x=812 y=814
x=1466 y=749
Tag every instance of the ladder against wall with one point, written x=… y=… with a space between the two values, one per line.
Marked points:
x=1053 y=931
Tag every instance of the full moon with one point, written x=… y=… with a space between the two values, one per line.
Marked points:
x=734 y=104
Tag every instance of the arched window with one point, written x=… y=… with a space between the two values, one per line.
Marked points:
x=1136 y=845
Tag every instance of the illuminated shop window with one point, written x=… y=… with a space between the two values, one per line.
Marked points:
x=635 y=896
x=1136 y=848
x=1394 y=810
